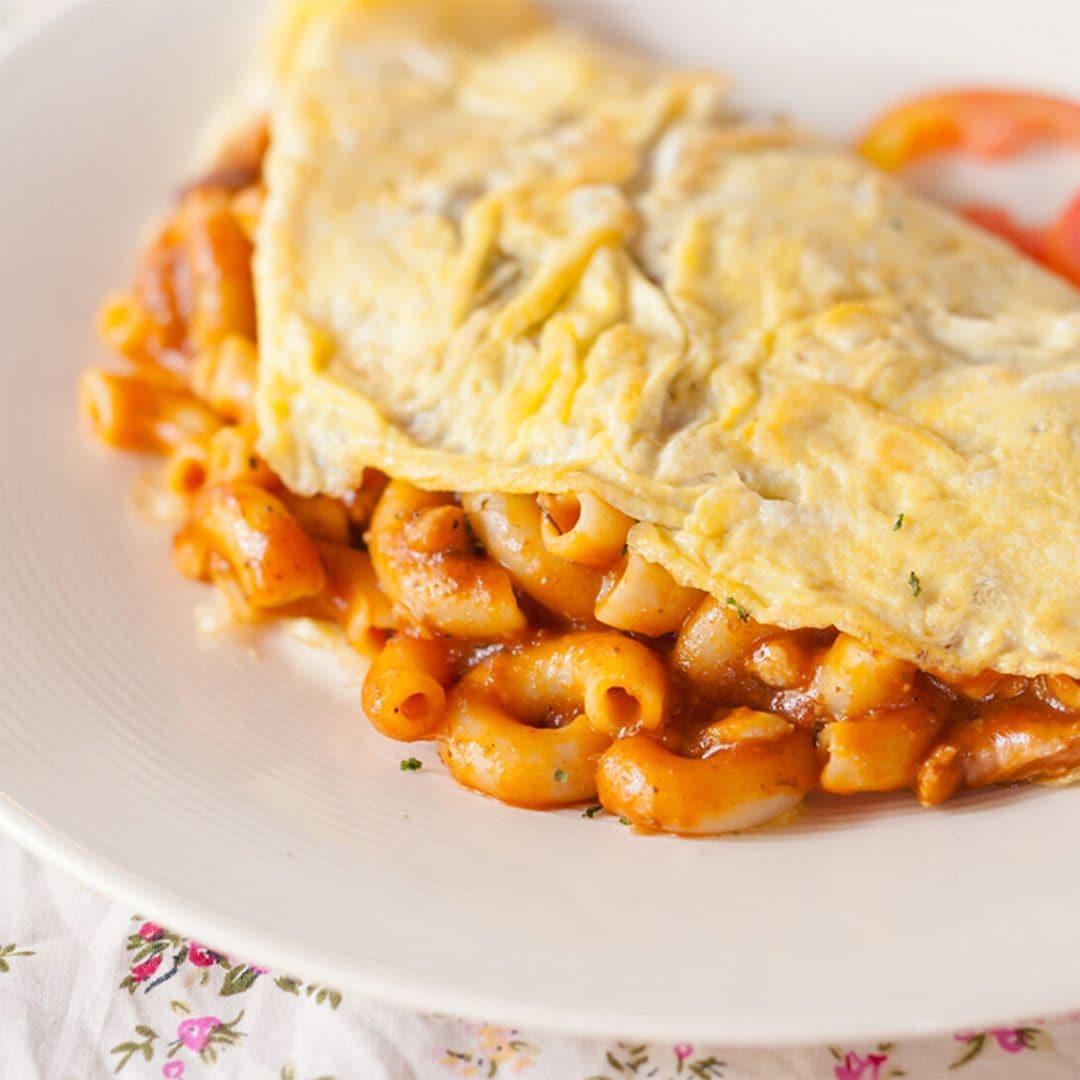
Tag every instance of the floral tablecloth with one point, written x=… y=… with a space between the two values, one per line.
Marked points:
x=89 y=988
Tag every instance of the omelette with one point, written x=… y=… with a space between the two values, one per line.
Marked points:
x=497 y=255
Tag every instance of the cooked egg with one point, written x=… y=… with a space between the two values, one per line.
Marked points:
x=499 y=255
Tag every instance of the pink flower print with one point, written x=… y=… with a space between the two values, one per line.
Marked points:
x=1013 y=1040
x=682 y=1051
x=172 y=1070
x=150 y=931
x=143 y=971
x=856 y=1067
x=1010 y=1040
x=195 y=1032
x=200 y=955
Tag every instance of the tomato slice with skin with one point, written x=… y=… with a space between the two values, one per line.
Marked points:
x=1031 y=240
x=1056 y=246
x=990 y=124
x=1063 y=243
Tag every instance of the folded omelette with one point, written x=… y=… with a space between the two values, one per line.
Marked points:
x=499 y=255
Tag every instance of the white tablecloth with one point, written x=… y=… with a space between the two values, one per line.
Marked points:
x=89 y=989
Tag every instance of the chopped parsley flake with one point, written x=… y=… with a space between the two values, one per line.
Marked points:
x=623 y=820
x=560 y=776
x=591 y=811
x=411 y=764
x=625 y=550
x=898 y=524
x=914 y=584
x=744 y=615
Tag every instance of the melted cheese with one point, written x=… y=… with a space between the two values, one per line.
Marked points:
x=497 y=255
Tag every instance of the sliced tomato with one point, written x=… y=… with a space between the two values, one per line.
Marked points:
x=1063 y=243
x=987 y=123
x=998 y=220
x=990 y=124
x=1057 y=246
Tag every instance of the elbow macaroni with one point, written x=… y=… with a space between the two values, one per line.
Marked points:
x=500 y=738
x=453 y=592
x=352 y=597
x=250 y=531
x=489 y=750
x=616 y=682
x=133 y=412
x=643 y=597
x=218 y=259
x=404 y=693
x=509 y=527
x=232 y=458
x=740 y=784
x=583 y=529
x=223 y=375
x=187 y=467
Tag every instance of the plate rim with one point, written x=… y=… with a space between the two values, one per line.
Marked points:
x=421 y=992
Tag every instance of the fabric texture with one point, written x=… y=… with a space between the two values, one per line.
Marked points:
x=91 y=989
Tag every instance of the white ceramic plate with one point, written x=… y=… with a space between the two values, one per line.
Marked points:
x=243 y=799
